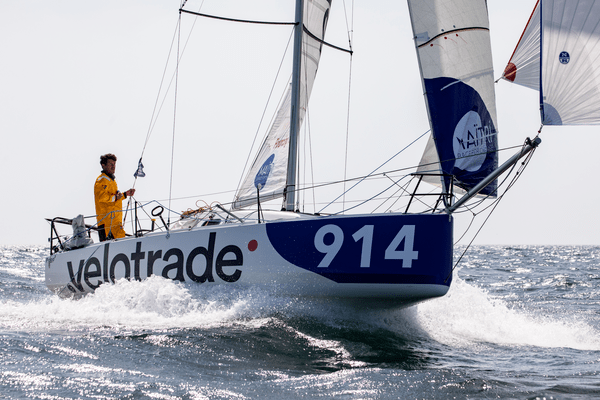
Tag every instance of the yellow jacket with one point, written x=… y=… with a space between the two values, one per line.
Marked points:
x=108 y=208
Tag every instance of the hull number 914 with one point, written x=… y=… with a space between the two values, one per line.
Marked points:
x=331 y=247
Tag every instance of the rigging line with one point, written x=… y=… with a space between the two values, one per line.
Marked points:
x=371 y=175
x=128 y=204
x=518 y=174
x=349 y=29
x=324 y=184
x=180 y=56
x=347 y=128
x=307 y=131
x=369 y=199
x=388 y=198
x=195 y=196
x=472 y=207
x=145 y=212
x=265 y=112
x=501 y=184
x=475 y=236
x=389 y=209
x=154 y=111
x=312 y=171
x=466 y=230
x=237 y=20
x=307 y=124
x=174 y=120
x=143 y=208
x=348 y=201
x=480 y=201
x=318 y=185
x=305 y=164
x=308 y=136
x=406 y=192
x=400 y=188
x=154 y=116
x=365 y=177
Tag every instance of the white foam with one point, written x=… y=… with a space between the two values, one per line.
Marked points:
x=468 y=315
x=155 y=303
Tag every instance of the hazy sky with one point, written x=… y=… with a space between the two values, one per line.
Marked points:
x=80 y=79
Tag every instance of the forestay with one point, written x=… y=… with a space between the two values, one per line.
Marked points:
x=268 y=171
x=454 y=52
x=559 y=53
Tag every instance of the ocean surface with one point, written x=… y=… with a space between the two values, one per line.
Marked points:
x=519 y=322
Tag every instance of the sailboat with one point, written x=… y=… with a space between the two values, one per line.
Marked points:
x=391 y=259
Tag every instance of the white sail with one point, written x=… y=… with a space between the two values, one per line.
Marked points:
x=429 y=166
x=269 y=169
x=270 y=166
x=524 y=65
x=568 y=72
x=454 y=51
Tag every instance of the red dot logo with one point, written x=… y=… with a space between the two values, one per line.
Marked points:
x=252 y=245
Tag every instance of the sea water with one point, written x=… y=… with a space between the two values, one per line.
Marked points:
x=518 y=322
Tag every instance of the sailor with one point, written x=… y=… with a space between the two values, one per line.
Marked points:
x=109 y=201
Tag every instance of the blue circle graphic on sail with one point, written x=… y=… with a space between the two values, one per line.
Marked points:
x=264 y=172
x=564 y=57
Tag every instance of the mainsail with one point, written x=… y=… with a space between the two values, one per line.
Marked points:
x=454 y=52
x=559 y=55
x=267 y=175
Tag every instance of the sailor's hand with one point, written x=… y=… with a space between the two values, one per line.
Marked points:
x=118 y=195
x=130 y=192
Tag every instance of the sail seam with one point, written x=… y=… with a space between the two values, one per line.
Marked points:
x=474 y=28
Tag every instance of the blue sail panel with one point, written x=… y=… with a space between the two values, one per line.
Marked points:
x=464 y=132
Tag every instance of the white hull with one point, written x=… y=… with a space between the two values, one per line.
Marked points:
x=393 y=260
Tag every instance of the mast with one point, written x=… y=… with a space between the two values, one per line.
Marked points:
x=290 y=193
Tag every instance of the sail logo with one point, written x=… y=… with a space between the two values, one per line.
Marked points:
x=263 y=173
x=281 y=142
x=564 y=57
x=470 y=144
